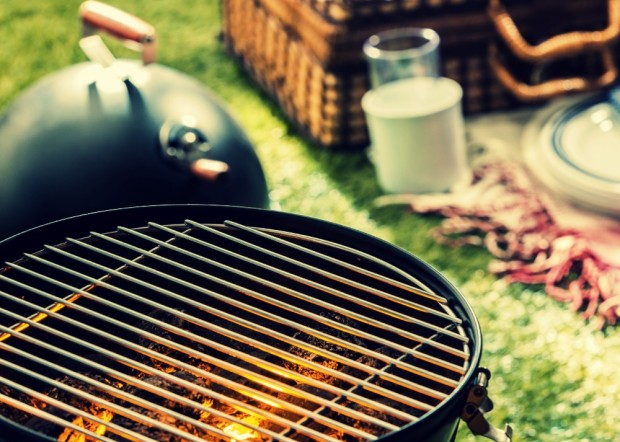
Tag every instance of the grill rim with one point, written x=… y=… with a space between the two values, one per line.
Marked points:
x=444 y=418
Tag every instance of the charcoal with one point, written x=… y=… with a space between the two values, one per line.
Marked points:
x=79 y=402
x=244 y=381
x=302 y=401
x=242 y=345
x=327 y=431
x=363 y=424
x=229 y=342
x=326 y=398
x=12 y=413
x=223 y=423
x=328 y=346
x=172 y=318
x=150 y=398
x=372 y=362
x=305 y=402
x=368 y=427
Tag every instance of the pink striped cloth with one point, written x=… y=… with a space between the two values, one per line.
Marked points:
x=536 y=238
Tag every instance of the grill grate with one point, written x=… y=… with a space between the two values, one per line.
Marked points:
x=221 y=332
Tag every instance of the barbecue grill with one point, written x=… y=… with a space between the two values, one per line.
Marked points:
x=217 y=323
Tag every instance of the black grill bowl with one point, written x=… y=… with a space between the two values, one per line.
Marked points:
x=438 y=424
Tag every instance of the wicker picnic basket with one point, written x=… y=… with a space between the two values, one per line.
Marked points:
x=307 y=54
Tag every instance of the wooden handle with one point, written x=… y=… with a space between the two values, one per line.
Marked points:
x=97 y=16
x=556 y=87
x=558 y=46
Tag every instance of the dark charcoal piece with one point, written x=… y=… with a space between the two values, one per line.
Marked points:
x=170 y=317
x=240 y=343
x=12 y=413
x=326 y=398
x=327 y=346
x=367 y=427
x=372 y=362
x=79 y=402
x=230 y=342
x=327 y=431
x=149 y=398
x=303 y=400
x=241 y=380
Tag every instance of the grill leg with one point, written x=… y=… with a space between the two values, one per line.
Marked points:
x=456 y=429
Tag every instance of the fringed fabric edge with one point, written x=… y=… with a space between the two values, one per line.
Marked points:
x=502 y=212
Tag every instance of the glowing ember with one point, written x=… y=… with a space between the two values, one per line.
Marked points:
x=70 y=435
x=240 y=432
x=38 y=317
x=204 y=414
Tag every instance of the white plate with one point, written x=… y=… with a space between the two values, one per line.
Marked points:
x=587 y=137
x=573 y=147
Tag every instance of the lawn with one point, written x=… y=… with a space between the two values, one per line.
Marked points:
x=552 y=371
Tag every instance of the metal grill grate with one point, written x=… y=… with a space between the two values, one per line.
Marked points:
x=221 y=332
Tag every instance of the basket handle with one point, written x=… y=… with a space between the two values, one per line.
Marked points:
x=558 y=46
x=134 y=32
x=556 y=87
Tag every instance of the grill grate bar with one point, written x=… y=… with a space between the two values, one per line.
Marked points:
x=362 y=318
x=224 y=364
x=134 y=399
x=39 y=316
x=299 y=337
x=273 y=236
x=244 y=356
x=136 y=417
x=41 y=414
x=85 y=415
x=282 y=288
x=145 y=368
x=249 y=358
x=242 y=305
x=378 y=293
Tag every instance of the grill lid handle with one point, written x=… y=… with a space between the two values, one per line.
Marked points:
x=134 y=32
x=477 y=404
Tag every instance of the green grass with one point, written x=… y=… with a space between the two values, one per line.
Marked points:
x=553 y=373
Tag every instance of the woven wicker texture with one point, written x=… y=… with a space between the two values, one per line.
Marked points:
x=307 y=54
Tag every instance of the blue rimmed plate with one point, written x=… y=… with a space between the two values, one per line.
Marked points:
x=573 y=147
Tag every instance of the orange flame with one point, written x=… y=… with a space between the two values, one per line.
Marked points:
x=38 y=317
x=71 y=435
x=239 y=432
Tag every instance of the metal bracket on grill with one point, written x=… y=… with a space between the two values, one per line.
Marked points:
x=477 y=404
